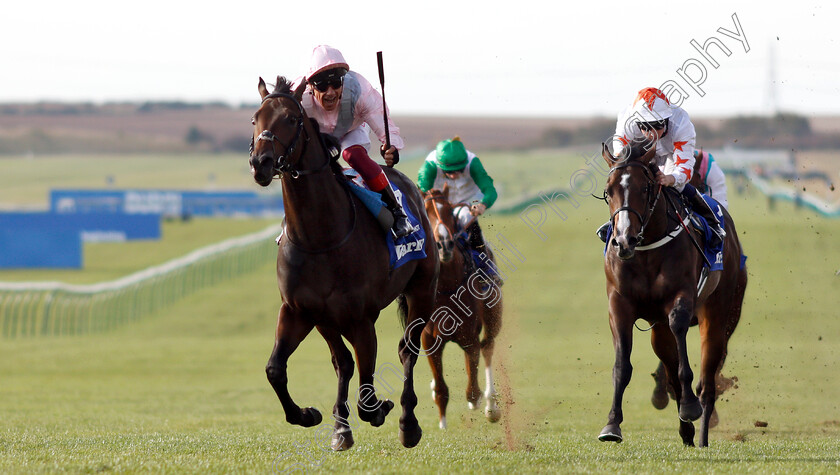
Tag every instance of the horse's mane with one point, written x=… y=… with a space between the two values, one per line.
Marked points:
x=283 y=86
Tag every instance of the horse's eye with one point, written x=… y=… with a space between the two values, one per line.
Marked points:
x=253 y=121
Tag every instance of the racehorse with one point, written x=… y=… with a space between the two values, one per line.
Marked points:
x=458 y=293
x=333 y=268
x=652 y=271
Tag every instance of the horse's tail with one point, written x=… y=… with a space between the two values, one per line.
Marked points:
x=402 y=310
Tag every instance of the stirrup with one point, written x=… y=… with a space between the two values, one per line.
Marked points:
x=602 y=232
x=402 y=227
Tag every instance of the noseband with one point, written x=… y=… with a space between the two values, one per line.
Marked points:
x=282 y=163
x=645 y=220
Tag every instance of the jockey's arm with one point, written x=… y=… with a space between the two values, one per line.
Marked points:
x=484 y=182
x=426 y=176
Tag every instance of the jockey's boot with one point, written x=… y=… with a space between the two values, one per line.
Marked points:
x=602 y=232
x=699 y=205
x=477 y=247
x=401 y=226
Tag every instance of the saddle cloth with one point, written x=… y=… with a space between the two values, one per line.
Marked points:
x=400 y=250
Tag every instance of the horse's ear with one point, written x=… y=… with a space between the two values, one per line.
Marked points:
x=299 y=90
x=261 y=87
x=608 y=157
x=445 y=190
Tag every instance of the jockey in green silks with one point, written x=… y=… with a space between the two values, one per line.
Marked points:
x=471 y=193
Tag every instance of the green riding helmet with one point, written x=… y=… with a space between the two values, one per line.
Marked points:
x=451 y=155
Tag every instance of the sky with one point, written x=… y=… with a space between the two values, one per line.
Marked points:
x=522 y=59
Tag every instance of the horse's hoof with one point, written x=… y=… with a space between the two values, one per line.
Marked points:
x=493 y=414
x=342 y=441
x=410 y=438
x=610 y=433
x=691 y=411
x=383 y=411
x=310 y=417
x=660 y=398
x=473 y=405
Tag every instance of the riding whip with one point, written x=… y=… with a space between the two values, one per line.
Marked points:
x=384 y=107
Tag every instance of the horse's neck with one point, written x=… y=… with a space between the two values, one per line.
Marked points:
x=315 y=205
x=659 y=224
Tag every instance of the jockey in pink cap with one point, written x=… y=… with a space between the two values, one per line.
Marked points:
x=652 y=120
x=347 y=107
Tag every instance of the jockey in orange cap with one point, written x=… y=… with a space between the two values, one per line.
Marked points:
x=347 y=107
x=652 y=119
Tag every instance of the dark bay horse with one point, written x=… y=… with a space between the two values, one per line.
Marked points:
x=469 y=308
x=652 y=271
x=333 y=268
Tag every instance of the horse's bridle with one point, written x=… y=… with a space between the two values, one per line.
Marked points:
x=649 y=188
x=282 y=163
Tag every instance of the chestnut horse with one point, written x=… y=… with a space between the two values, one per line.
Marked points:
x=459 y=292
x=652 y=270
x=333 y=268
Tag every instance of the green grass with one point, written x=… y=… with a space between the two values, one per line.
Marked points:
x=184 y=391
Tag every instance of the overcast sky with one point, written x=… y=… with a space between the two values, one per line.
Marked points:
x=522 y=58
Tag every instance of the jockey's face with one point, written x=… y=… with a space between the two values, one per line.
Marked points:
x=454 y=175
x=328 y=99
x=653 y=131
x=654 y=134
x=327 y=87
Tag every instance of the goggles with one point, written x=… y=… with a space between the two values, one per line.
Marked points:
x=655 y=125
x=332 y=78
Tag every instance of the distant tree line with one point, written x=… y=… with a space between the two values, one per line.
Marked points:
x=783 y=130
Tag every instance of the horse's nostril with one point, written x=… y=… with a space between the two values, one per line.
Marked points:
x=632 y=241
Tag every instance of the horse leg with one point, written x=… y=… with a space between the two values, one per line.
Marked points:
x=492 y=325
x=660 y=397
x=420 y=306
x=472 y=354
x=621 y=324
x=679 y=319
x=342 y=360
x=713 y=354
x=440 y=391
x=664 y=346
x=363 y=339
x=292 y=328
